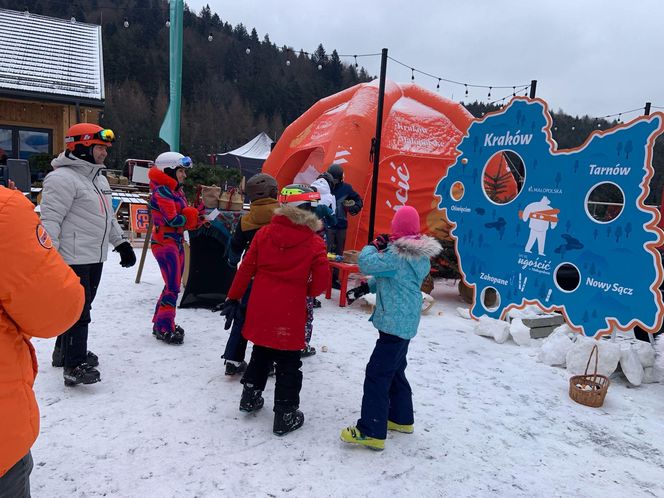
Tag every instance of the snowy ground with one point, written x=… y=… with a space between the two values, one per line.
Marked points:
x=490 y=420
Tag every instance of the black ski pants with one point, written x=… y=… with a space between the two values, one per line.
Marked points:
x=288 y=375
x=74 y=342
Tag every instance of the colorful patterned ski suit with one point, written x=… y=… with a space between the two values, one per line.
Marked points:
x=167 y=203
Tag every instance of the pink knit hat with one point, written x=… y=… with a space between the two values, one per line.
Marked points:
x=406 y=222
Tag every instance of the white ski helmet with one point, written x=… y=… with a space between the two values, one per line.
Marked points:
x=172 y=160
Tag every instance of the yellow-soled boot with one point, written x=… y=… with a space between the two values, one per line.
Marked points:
x=405 y=428
x=352 y=435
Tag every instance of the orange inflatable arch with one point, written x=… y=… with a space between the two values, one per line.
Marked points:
x=421 y=130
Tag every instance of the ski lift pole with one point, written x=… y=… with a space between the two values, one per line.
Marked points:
x=144 y=252
x=376 y=144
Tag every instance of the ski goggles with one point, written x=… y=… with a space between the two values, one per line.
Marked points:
x=298 y=196
x=184 y=162
x=106 y=136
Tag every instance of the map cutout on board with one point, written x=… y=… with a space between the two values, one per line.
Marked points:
x=574 y=236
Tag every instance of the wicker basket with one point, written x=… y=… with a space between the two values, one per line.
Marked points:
x=589 y=390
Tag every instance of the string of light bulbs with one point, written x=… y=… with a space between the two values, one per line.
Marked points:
x=414 y=70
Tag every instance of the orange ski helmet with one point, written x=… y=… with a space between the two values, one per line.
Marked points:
x=87 y=135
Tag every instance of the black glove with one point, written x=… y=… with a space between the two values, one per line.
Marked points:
x=381 y=241
x=232 y=310
x=127 y=256
x=357 y=292
x=354 y=209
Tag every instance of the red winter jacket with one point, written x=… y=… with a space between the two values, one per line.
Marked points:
x=288 y=262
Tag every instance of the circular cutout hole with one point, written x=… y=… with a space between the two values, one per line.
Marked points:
x=605 y=202
x=567 y=277
x=490 y=299
x=503 y=177
x=457 y=191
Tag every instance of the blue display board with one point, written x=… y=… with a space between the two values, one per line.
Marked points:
x=567 y=230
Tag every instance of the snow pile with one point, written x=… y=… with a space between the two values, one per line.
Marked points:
x=490 y=327
x=464 y=312
x=520 y=333
x=653 y=372
x=528 y=311
x=577 y=356
x=631 y=364
x=556 y=346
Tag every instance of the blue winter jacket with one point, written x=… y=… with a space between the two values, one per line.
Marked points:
x=396 y=277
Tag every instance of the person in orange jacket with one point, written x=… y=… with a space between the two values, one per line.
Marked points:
x=40 y=296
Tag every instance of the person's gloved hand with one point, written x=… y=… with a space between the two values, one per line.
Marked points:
x=127 y=255
x=354 y=209
x=381 y=241
x=191 y=214
x=357 y=292
x=232 y=310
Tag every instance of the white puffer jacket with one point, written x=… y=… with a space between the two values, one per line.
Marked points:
x=77 y=212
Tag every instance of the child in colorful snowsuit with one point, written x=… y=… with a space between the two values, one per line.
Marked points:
x=171 y=217
x=262 y=191
x=288 y=262
x=397 y=265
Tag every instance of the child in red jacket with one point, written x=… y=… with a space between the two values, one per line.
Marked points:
x=288 y=262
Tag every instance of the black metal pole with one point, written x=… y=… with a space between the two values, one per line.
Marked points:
x=376 y=144
x=533 y=88
x=646 y=110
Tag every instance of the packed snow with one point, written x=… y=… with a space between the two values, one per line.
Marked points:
x=490 y=419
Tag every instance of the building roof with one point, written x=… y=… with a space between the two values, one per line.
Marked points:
x=49 y=57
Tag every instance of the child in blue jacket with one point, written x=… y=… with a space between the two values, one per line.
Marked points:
x=397 y=265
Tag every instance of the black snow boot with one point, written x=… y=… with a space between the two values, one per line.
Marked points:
x=169 y=337
x=287 y=420
x=233 y=369
x=317 y=303
x=82 y=374
x=307 y=351
x=251 y=399
x=58 y=358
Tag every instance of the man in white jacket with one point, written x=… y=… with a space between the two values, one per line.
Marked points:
x=77 y=213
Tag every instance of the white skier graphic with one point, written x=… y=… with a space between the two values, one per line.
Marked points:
x=541 y=217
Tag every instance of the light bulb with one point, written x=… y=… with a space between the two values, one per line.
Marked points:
x=168 y=24
x=288 y=63
x=248 y=51
x=210 y=37
x=73 y=19
x=125 y=23
x=320 y=67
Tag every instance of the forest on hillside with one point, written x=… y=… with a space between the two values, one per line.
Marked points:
x=235 y=83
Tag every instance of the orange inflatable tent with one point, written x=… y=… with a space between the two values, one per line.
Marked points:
x=421 y=130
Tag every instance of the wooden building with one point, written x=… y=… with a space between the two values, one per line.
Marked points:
x=51 y=77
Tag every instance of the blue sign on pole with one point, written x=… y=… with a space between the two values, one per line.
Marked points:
x=567 y=230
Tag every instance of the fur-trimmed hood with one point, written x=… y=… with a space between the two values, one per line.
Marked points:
x=416 y=247
x=300 y=217
x=291 y=226
x=160 y=178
